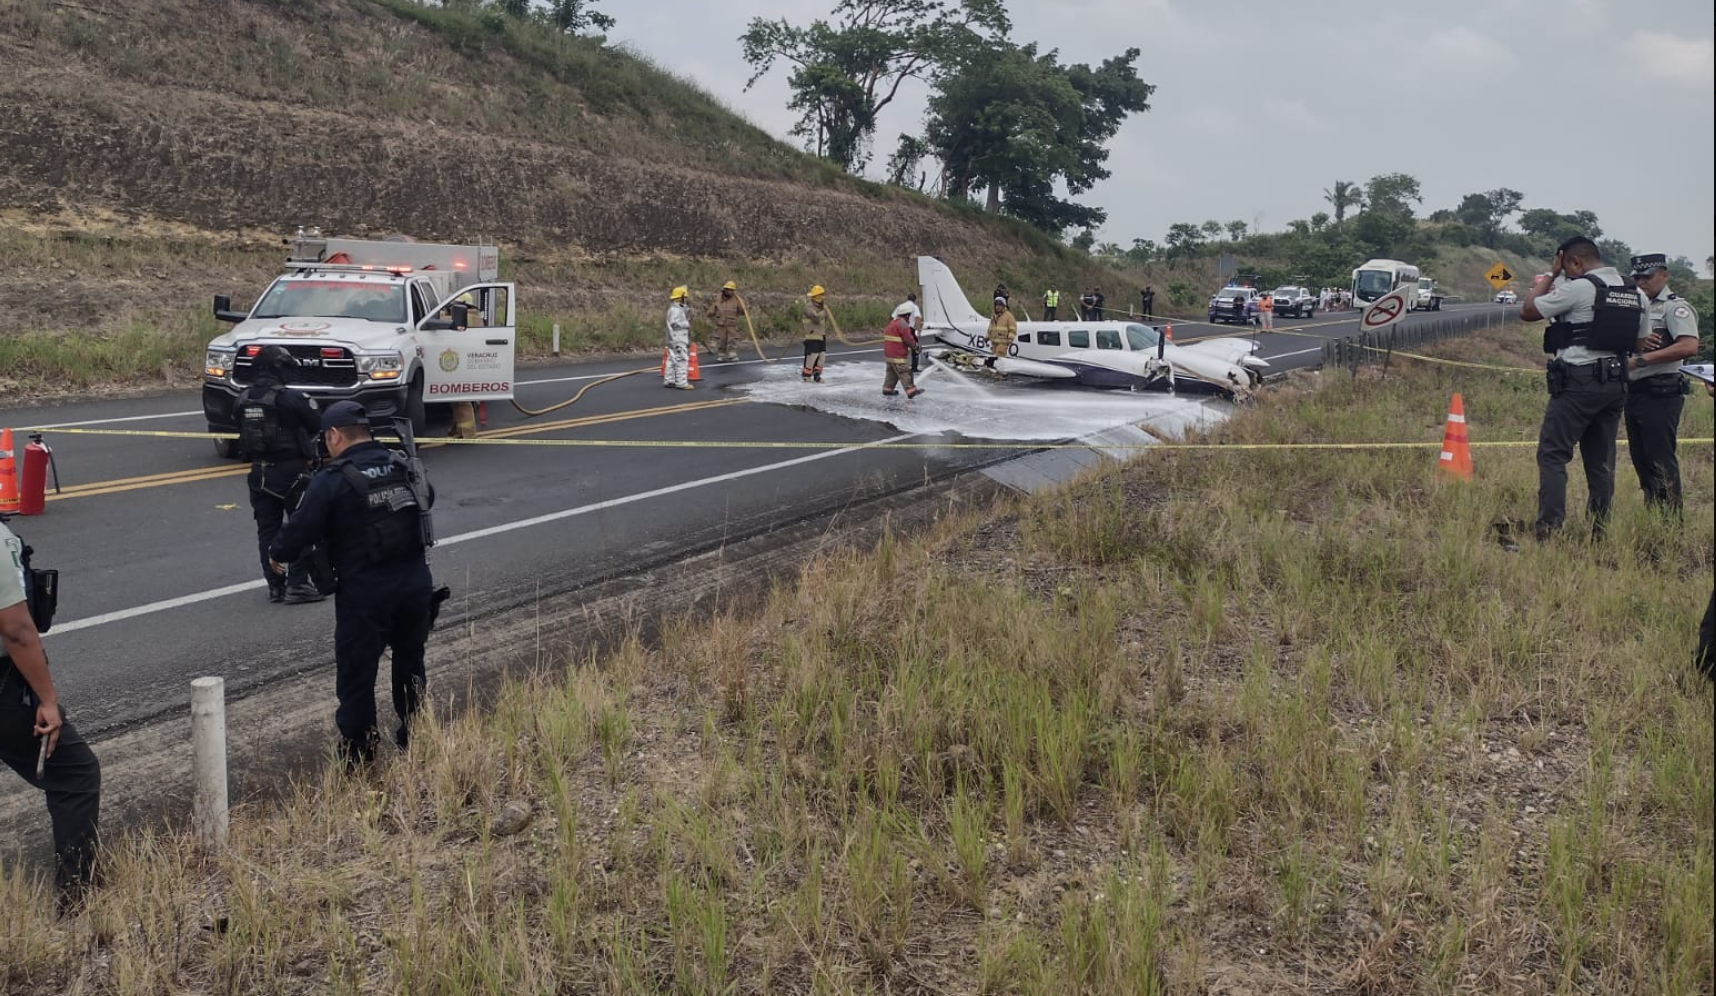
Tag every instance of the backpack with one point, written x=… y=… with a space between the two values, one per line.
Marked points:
x=258 y=424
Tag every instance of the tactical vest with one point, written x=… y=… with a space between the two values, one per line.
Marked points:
x=1614 y=324
x=392 y=527
x=259 y=424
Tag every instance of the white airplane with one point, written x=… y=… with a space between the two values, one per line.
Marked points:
x=1098 y=354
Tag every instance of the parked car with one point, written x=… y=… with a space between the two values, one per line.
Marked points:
x=1295 y=302
x=1506 y=297
x=1223 y=311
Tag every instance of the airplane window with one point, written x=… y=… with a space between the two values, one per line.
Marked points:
x=1024 y=337
x=1107 y=338
x=1048 y=338
x=1141 y=338
x=1079 y=339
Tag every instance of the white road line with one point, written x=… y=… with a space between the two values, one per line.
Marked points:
x=705 y=366
x=1283 y=356
x=105 y=421
x=475 y=534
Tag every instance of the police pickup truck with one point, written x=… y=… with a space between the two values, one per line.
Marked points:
x=373 y=322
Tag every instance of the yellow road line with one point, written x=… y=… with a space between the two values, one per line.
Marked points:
x=200 y=474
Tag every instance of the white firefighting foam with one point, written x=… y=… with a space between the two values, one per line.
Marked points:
x=971 y=406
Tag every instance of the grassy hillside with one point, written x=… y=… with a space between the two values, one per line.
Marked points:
x=1284 y=721
x=148 y=163
x=1460 y=270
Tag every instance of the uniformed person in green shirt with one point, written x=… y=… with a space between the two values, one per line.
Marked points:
x=1656 y=391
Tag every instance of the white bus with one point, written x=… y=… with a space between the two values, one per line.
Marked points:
x=1378 y=277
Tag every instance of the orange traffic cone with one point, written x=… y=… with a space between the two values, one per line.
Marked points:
x=8 y=474
x=691 y=371
x=1456 y=449
x=1168 y=331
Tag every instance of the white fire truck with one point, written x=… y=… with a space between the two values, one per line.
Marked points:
x=371 y=321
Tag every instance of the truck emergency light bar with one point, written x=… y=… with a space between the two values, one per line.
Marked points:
x=310 y=264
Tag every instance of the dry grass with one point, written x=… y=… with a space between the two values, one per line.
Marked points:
x=1216 y=723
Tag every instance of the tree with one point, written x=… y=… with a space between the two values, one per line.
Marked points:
x=574 y=16
x=1319 y=221
x=1549 y=229
x=1392 y=193
x=1345 y=194
x=1183 y=240
x=1212 y=229
x=1018 y=123
x=1615 y=252
x=1143 y=251
x=1299 y=226
x=844 y=73
x=903 y=164
x=1084 y=240
x=1487 y=213
x=1236 y=230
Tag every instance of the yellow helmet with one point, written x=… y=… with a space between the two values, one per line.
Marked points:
x=730 y=285
x=678 y=293
x=816 y=291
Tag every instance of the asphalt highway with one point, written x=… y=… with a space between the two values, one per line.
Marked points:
x=156 y=549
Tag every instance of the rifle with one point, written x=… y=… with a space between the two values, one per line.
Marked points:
x=416 y=478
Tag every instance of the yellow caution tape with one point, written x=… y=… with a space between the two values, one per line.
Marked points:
x=796 y=444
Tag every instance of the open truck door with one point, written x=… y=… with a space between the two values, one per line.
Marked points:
x=469 y=345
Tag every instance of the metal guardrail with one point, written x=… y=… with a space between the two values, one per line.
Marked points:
x=1371 y=347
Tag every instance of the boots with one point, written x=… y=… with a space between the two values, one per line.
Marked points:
x=302 y=592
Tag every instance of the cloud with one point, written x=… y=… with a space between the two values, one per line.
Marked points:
x=1292 y=114
x=1673 y=59
x=1463 y=46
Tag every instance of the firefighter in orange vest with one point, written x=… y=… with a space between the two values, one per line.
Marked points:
x=899 y=342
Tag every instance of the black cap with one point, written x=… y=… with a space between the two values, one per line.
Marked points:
x=1643 y=265
x=344 y=413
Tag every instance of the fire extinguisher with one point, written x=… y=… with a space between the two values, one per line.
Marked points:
x=32 y=491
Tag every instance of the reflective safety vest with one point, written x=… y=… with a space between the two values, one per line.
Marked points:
x=1051 y=299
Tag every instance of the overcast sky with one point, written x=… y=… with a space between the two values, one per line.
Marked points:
x=1580 y=104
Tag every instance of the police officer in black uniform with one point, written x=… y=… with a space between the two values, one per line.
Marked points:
x=1147 y=300
x=277 y=427
x=1656 y=391
x=1595 y=320
x=371 y=509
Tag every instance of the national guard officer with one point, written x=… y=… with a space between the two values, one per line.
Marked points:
x=370 y=505
x=36 y=740
x=1594 y=319
x=1656 y=391
x=277 y=427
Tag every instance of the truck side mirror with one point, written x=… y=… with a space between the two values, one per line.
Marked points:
x=223 y=310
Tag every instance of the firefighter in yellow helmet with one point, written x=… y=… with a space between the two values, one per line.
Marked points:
x=814 y=319
x=677 y=371
x=725 y=312
x=1002 y=329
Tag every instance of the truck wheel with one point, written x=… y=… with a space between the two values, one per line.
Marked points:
x=226 y=449
x=414 y=408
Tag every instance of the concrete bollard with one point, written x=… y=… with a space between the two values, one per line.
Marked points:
x=208 y=760
x=556 y=338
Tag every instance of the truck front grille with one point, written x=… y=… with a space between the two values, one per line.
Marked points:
x=317 y=367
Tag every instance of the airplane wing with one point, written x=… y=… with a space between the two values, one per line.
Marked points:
x=1012 y=365
x=1228 y=350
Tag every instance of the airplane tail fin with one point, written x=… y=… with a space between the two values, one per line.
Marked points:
x=945 y=304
